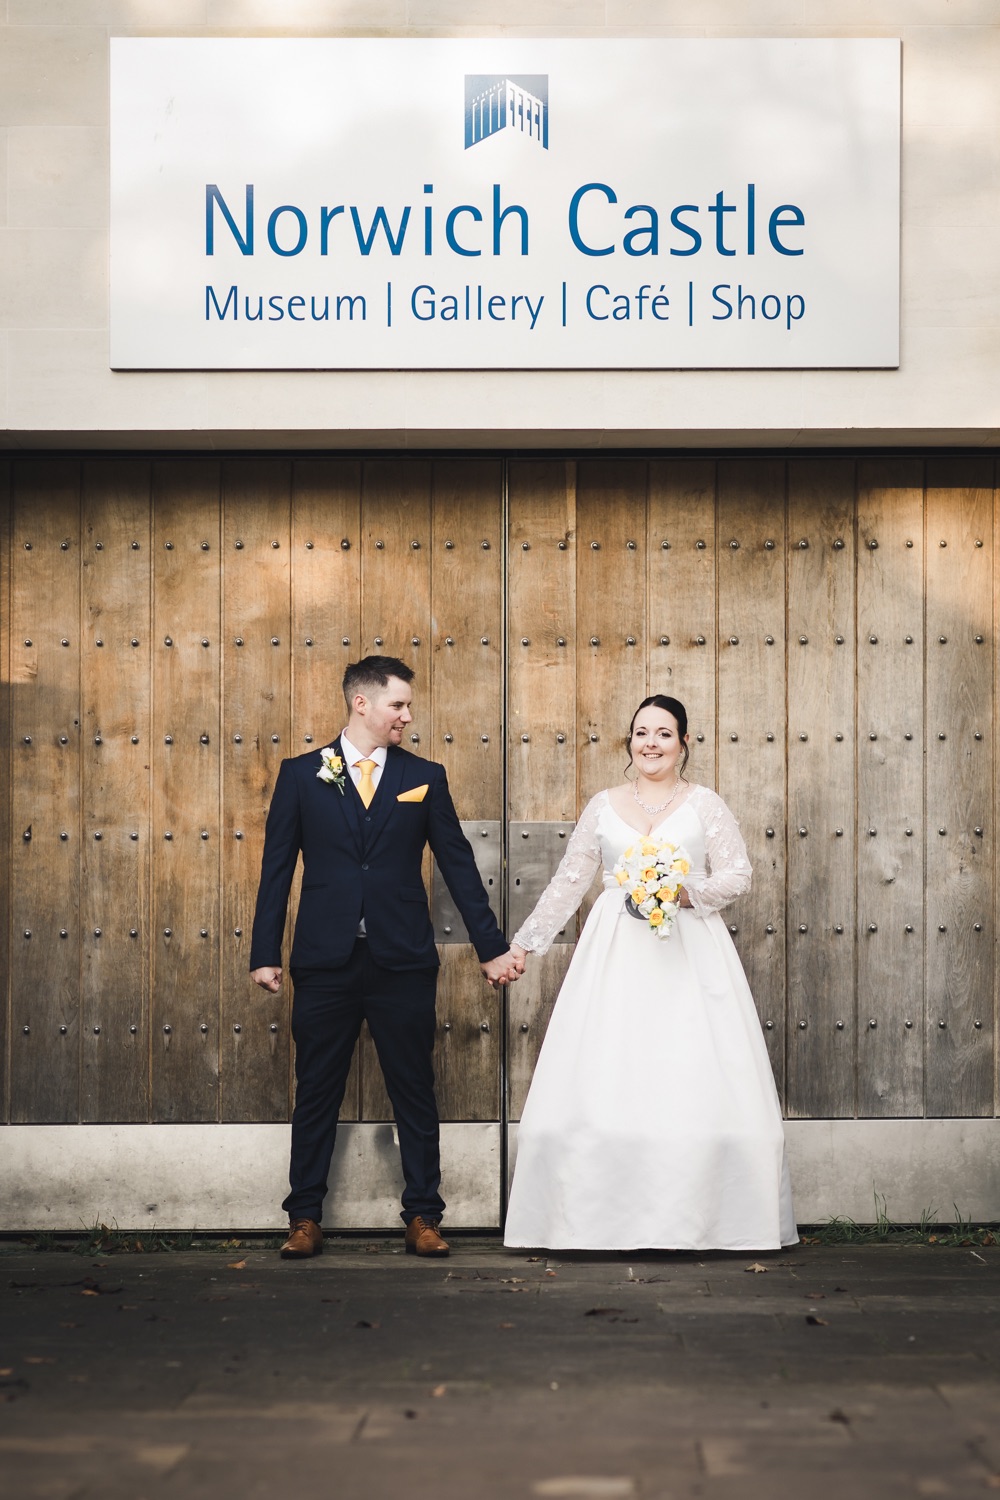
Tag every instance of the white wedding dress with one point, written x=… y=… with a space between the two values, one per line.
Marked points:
x=652 y=1121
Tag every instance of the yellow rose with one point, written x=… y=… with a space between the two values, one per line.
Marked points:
x=649 y=875
x=629 y=852
x=621 y=876
x=655 y=917
x=682 y=866
x=639 y=894
x=667 y=897
x=648 y=847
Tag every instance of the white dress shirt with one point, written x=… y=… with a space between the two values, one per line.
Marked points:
x=351 y=755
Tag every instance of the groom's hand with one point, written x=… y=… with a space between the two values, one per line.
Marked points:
x=267 y=978
x=502 y=970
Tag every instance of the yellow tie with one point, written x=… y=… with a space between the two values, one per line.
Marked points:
x=366 y=787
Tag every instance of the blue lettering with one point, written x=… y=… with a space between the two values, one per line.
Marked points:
x=721 y=317
x=678 y=223
x=449 y=231
x=778 y=221
x=350 y=301
x=213 y=196
x=324 y=316
x=574 y=219
x=220 y=312
x=424 y=309
x=395 y=241
x=500 y=214
x=272 y=229
x=277 y=311
x=326 y=217
x=598 y=317
x=652 y=231
x=719 y=208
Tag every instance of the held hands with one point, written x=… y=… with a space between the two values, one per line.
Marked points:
x=267 y=978
x=506 y=969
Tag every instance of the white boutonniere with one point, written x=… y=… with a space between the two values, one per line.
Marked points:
x=332 y=769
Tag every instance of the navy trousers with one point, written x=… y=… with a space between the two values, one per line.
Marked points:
x=328 y=1008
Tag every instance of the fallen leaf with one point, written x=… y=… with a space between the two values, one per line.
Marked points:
x=533 y=1259
x=439 y=1390
x=505 y=1325
x=551 y=1273
x=511 y=1280
x=840 y=1416
x=237 y=1265
x=364 y=1323
x=90 y=1291
x=817 y=1322
x=8 y=1371
x=410 y=1415
x=814 y=1296
x=755 y=1267
x=602 y=1312
x=38 y=1359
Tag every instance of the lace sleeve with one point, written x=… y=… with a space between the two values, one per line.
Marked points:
x=568 y=886
x=729 y=869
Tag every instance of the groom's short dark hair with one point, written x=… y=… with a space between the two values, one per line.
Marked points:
x=373 y=672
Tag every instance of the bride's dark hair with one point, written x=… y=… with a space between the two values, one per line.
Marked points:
x=670 y=706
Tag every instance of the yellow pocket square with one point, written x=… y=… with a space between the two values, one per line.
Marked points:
x=415 y=794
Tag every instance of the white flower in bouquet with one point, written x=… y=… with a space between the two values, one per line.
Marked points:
x=653 y=872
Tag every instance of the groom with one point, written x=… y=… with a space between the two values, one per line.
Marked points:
x=360 y=812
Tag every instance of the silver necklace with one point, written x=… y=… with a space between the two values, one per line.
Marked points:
x=652 y=811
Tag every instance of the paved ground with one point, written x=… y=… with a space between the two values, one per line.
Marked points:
x=364 y=1375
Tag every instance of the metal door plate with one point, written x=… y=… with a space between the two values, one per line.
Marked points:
x=484 y=836
x=533 y=853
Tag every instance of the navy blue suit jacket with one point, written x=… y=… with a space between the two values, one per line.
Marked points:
x=358 y=862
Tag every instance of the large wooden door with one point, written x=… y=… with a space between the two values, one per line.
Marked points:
x=173 y=627
x=830 y=626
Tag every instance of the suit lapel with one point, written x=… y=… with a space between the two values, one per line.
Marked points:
x=350 y=802
x=385 y=796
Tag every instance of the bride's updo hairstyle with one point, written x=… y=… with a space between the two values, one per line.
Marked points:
x=670 y=706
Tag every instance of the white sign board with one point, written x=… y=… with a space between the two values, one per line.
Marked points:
x=391 y=204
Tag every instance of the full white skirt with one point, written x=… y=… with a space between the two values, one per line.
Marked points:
x=652 y=1120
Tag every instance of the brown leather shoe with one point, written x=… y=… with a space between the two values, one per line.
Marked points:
x=305 y=1238
x=422 y=1238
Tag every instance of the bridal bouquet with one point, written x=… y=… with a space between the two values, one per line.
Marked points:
x=653 y=872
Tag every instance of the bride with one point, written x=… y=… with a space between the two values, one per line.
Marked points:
x=652 y=1121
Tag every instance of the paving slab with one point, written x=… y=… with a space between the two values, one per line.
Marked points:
x=868 y=1371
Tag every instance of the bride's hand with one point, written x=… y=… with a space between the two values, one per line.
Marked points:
x=683 y=899
x=519 y=955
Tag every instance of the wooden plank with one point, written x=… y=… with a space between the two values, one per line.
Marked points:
x=115 y=676
x=821 y=843
x=890 y=984
x=45 y=810
x=256 y=735
x=611 y=614
x=5 y=785
x=396 y=621
x=995 y=709
x=326 y=625
x=467 y=705
x=541 y=770
x=682 y=602
x=185 y=767
x=752 y=728
x=959 y=838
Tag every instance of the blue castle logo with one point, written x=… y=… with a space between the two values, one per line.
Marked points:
x=495 y=102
